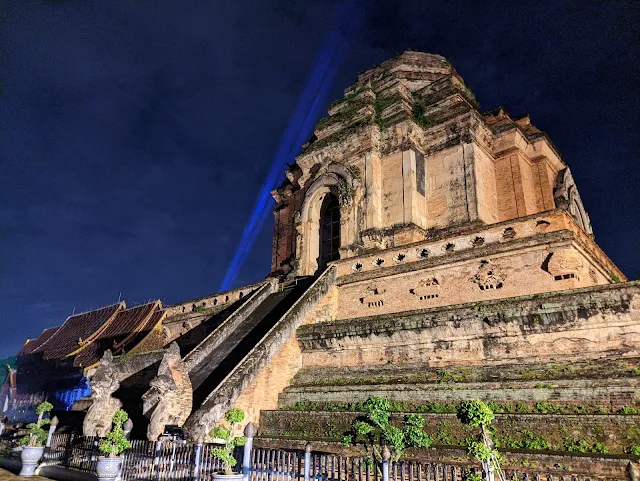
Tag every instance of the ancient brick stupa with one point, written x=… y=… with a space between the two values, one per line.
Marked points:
x=427 y=252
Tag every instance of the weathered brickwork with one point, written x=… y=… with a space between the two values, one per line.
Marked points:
x=183 y=317
x=262 y=392
x=495 y=275
x=618 y=432
x=581 y=324
x=407 y=147
x=473 y=236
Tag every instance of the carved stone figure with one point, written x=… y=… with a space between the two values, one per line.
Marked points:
x=373 y=296
x=426 y=289
x=174 y=392
x=104 y=383
x=488 y=276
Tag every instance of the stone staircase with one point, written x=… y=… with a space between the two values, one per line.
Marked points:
x=275 y=321
x=207 y=375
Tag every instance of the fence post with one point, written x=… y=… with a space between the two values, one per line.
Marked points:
x=488 y=471
x=68 y=452
x=156 y=460
x=250 y=432
x=307 y=462
x=386 y=455
x=52 y=429
x=196 y=468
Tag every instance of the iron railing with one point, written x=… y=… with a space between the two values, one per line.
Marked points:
x=182 y=461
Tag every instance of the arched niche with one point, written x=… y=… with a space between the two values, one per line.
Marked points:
x=566 y=196
x=338 y=181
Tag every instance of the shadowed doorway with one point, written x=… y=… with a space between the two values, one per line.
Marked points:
x=329 y=232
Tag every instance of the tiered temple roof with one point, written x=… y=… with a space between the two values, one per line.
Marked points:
x=86 y=336
x=77 y=331
x=134 y=322
x=32 y=344
x=138 y=338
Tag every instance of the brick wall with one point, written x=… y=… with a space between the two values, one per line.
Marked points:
x=581 y=324
x=262 y=392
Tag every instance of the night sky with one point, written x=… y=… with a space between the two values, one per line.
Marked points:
x=136 y=134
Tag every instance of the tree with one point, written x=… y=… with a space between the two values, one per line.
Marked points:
x=476 y=414
x=115 y=442
x=37 y=435
x=374 y=430
x=225 y=455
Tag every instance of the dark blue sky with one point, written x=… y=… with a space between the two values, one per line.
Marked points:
x=135 y=134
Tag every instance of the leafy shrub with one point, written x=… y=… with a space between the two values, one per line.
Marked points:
x=375 y=430
x=584 y=446
x=37 y=435
x=225 y=455
x=472 y=477
x=436 y=407
x=475 y=413
x=454 y=376
x=544 y=385
x=479 y=450
x=529 y=440
x=626 y=410
x=115 y=442
x=547 y=407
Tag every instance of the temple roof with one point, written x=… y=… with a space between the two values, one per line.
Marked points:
x=76 y=331
x=32 y=344
x=123 y=327
x=139 y=335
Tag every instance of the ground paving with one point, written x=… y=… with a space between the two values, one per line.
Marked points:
x=9 y=476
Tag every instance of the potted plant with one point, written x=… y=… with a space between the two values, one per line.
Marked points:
x=33 y=443
x=113 y=445
x=225 y=454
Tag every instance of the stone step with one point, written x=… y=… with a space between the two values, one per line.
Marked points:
x=425 y=374
x=616 y=434
x=609 y=395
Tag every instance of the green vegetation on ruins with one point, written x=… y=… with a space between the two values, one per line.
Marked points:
x=435 y=407
x=375 y=430
x=558 y=433
x=539 y=375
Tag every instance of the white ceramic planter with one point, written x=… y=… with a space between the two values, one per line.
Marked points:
x=30 y=458
x=227 y=477
x=108 y=469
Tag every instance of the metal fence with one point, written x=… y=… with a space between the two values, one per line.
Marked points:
x=180 y=461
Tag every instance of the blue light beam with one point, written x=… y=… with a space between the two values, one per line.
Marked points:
x=302 y=121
